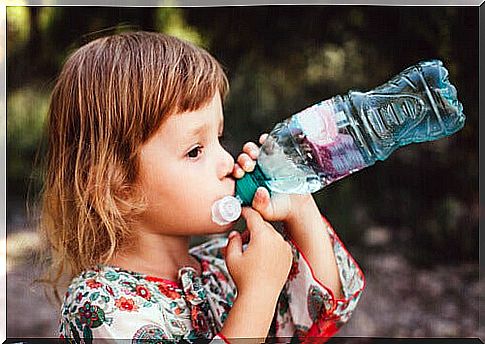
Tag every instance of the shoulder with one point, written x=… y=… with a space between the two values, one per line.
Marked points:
x=85 y=303
x=88 y=288
x=100 y=281
x=106 y=284
x=101 y=298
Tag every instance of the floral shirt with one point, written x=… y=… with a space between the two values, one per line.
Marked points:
x=110 y=302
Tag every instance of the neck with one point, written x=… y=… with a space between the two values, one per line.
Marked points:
x=157 y=255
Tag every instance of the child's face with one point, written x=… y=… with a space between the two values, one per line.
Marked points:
x=184 y=170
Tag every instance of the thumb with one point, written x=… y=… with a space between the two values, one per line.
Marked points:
x=234 y=246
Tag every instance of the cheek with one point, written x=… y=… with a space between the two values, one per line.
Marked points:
x=178 y=191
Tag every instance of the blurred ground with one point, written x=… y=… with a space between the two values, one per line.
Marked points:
x=399 y=301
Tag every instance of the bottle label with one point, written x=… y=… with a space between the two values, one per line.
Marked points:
x=327 y=141
x=318 y=122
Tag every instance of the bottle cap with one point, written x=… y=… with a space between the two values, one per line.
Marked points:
x=226 y=210
x=246 y=186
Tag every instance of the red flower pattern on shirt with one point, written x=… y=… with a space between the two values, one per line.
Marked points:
x=143 y=292
x=126 y=304
x=168 y=291
x=91 y=283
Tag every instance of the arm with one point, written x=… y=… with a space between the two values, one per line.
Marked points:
x=254 y=324
x=260 y=272
x=325 y=283
x=309 y=231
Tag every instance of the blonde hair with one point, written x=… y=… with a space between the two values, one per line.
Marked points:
x=110 y=97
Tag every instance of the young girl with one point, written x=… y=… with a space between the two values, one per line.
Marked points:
x=134 y=165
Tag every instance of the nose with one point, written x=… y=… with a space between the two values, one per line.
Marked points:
x=225 y=164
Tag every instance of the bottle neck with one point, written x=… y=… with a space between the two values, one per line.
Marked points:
x=246 y=186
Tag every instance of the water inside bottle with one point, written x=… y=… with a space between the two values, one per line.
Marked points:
x=283 y=174
x=309 y=151
x=417 y=105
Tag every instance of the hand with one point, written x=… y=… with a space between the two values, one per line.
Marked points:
x=263 y=267
x=278 y=207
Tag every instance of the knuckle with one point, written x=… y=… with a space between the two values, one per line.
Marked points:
x=263 y=138
x=245 y=160
x=276 y=237
x=248 y=146
x=239 y=170
x=241 y=158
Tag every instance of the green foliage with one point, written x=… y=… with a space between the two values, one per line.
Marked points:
x=26 y=112
x=170 y=20
x=18 y=24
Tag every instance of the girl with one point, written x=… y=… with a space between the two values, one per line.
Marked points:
x=134 y=165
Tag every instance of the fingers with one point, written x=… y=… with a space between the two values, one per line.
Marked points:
x=254 y=221
x=237 y=171
x=246 y=162
x=263 y=138
x=251 y=149
x=261 y=200
x=234 y=246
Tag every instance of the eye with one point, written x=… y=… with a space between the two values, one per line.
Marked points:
x=194 y=153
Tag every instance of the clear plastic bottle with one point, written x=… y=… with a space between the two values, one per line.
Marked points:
x=345 y=134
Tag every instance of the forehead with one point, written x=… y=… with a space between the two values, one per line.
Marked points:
x=188 y=122
x=181 y=128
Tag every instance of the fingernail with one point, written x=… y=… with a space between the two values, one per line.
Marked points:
x=232 y=235
x=248 y=164
x=255 y=152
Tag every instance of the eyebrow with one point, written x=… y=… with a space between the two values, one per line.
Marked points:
x=200 y=129
x=197 y=131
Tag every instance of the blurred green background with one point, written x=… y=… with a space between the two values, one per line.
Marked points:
x=279 y=60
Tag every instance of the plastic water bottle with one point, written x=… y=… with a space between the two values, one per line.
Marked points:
x=344 y=134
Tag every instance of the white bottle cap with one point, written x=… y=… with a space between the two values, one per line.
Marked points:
x=226 y=210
